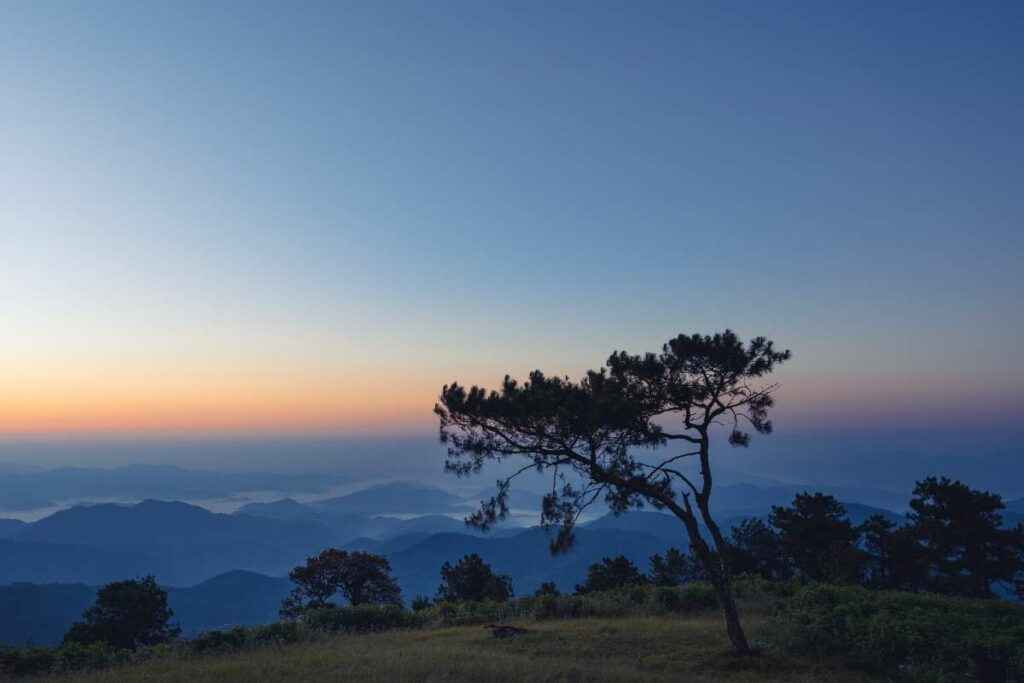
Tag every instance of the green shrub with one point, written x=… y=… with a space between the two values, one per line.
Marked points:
x=219 y=641
x=278 y=633
x=91 y=657
x=697 y=597
x=756 y=588
x=667 y=599
x=637 y=595
x=917 y=636
x=360 y=619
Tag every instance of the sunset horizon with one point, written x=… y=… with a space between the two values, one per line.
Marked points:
x=476 y=340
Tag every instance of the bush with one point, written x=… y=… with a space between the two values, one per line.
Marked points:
x=637 y=595
x=360 y=619
x=697 y=597
x=757 y=588
x=278 y=633
x=92 y=657
x=464 y=613
x=917 y=636
x=219 y=641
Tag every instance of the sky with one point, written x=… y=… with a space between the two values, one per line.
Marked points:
x=273 y=220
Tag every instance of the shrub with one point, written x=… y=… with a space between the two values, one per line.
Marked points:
x=219 y=641
x=667 y=599
x=278 y=633
x=920 y=636
x=92 y=657
x=697 y=597
x=360 y=619
x=757 y=588
x=637 y=595
x=465 y=612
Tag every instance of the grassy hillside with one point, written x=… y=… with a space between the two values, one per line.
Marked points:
x=803 y=633
x=691 y=648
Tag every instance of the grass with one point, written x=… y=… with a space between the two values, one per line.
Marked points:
x=691 y=648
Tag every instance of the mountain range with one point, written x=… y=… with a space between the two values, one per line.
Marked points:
x=26 y=488
x=227 y=569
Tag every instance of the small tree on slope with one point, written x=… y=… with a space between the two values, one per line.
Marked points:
x=126 y=615
x=360 y=577
x=591 y=430
x=472 y=580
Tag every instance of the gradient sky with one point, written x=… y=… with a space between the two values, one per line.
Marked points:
x=304 y=218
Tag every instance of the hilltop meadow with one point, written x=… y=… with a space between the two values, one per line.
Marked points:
x=800 y=633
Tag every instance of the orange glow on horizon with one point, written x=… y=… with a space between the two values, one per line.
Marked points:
x=399 y=402
x=250 y=404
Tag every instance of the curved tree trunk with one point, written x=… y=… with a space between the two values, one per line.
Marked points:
x=718 y=572
x=733 y=627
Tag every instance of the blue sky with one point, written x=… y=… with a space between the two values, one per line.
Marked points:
x=224 y=218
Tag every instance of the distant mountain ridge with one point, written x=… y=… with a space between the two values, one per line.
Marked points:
x=184 y=544
x=28 y=488
x=181 y=544
x=394 y=498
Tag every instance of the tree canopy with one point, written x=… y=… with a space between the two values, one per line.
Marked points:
x=472 y=579
x=611 y=573
x=359 y=577
x=755 y=549
x=960 y=533
x=126 y=615
x=816 y=534
x=589 y=434
x=674 y=569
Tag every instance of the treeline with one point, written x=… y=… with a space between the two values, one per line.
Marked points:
x=953 y=543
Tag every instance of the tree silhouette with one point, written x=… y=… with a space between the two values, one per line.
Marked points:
x=895 y=561
x=547 y=588
x=472 y=579
x=126 y=615
x=818 y=539
x=359 y=577
x=675 y=569
x=611 y=573
x=755 y=549
x=591 y=430
x=960 y=531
